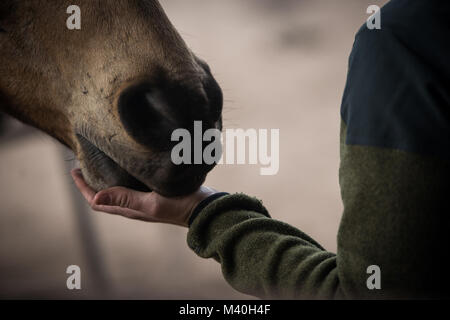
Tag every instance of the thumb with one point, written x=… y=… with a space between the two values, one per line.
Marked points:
x=119 y=197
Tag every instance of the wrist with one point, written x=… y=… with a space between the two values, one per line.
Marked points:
x=202 y=204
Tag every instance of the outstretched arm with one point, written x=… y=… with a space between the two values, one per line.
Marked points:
x=259 y=255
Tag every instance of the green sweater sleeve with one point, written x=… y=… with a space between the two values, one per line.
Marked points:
x=261 y=256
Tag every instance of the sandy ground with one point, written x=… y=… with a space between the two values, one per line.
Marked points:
x=282 y=65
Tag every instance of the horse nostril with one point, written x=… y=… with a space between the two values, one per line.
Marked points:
x=146 y=116
x=151 y=111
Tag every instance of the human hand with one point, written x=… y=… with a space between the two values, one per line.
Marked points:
x=145 y=206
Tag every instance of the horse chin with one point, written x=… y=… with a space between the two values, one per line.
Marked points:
x=101 y=172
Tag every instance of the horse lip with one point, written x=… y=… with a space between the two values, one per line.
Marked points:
x=99 y=160
x=96 y=159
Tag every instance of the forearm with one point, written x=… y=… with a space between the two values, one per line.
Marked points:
x=261 y=256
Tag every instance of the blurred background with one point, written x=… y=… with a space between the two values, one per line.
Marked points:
x=281 y=64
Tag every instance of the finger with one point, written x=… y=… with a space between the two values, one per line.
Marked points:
x=124 y=212
x=84 y=188
x=119 y=197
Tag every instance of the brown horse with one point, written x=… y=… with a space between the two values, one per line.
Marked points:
x=113 y=91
